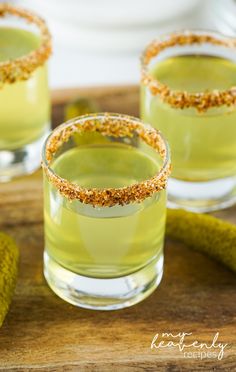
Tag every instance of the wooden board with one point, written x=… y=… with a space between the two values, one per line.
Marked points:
x=43 y=333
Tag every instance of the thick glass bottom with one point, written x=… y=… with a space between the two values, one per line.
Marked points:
x=202 y=196
x=102 y=294
x=22 y=161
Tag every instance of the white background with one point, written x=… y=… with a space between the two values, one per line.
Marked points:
x=98 y=42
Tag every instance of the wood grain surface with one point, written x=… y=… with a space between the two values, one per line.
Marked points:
x=43 y=333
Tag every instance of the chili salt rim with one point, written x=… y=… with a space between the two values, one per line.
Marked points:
x=22 y=67
x=182 y=99
x=115 y=125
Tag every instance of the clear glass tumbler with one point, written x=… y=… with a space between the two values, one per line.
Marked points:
x=189 y=92
x=25 y=46
x=104 y=208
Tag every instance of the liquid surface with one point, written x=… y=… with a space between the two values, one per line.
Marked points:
x=16 y=43
x=203 y=145
x=110 y=241
x=24 y=105
x=104 y=166
x=196 y=73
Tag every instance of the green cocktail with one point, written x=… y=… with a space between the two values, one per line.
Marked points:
x=24 y=94
x=104 y=210
x=24 y=105
x=195 y=110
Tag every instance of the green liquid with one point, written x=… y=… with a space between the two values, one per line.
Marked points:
x=203 y=145
x=104 y=242
x=24 y=105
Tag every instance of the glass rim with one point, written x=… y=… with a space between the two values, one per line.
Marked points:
x=22 y=67
x=115 y=125
x=178 y=99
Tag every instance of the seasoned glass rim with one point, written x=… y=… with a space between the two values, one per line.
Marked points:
x=22 y=67
x=110 y=124
x=203 y=100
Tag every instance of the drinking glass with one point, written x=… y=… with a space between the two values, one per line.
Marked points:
x=189 y=92
x=25 y=46
x=104 y=208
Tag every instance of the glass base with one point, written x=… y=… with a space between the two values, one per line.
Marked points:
x=22 y=161
x=102 y=294
x=202 y=196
